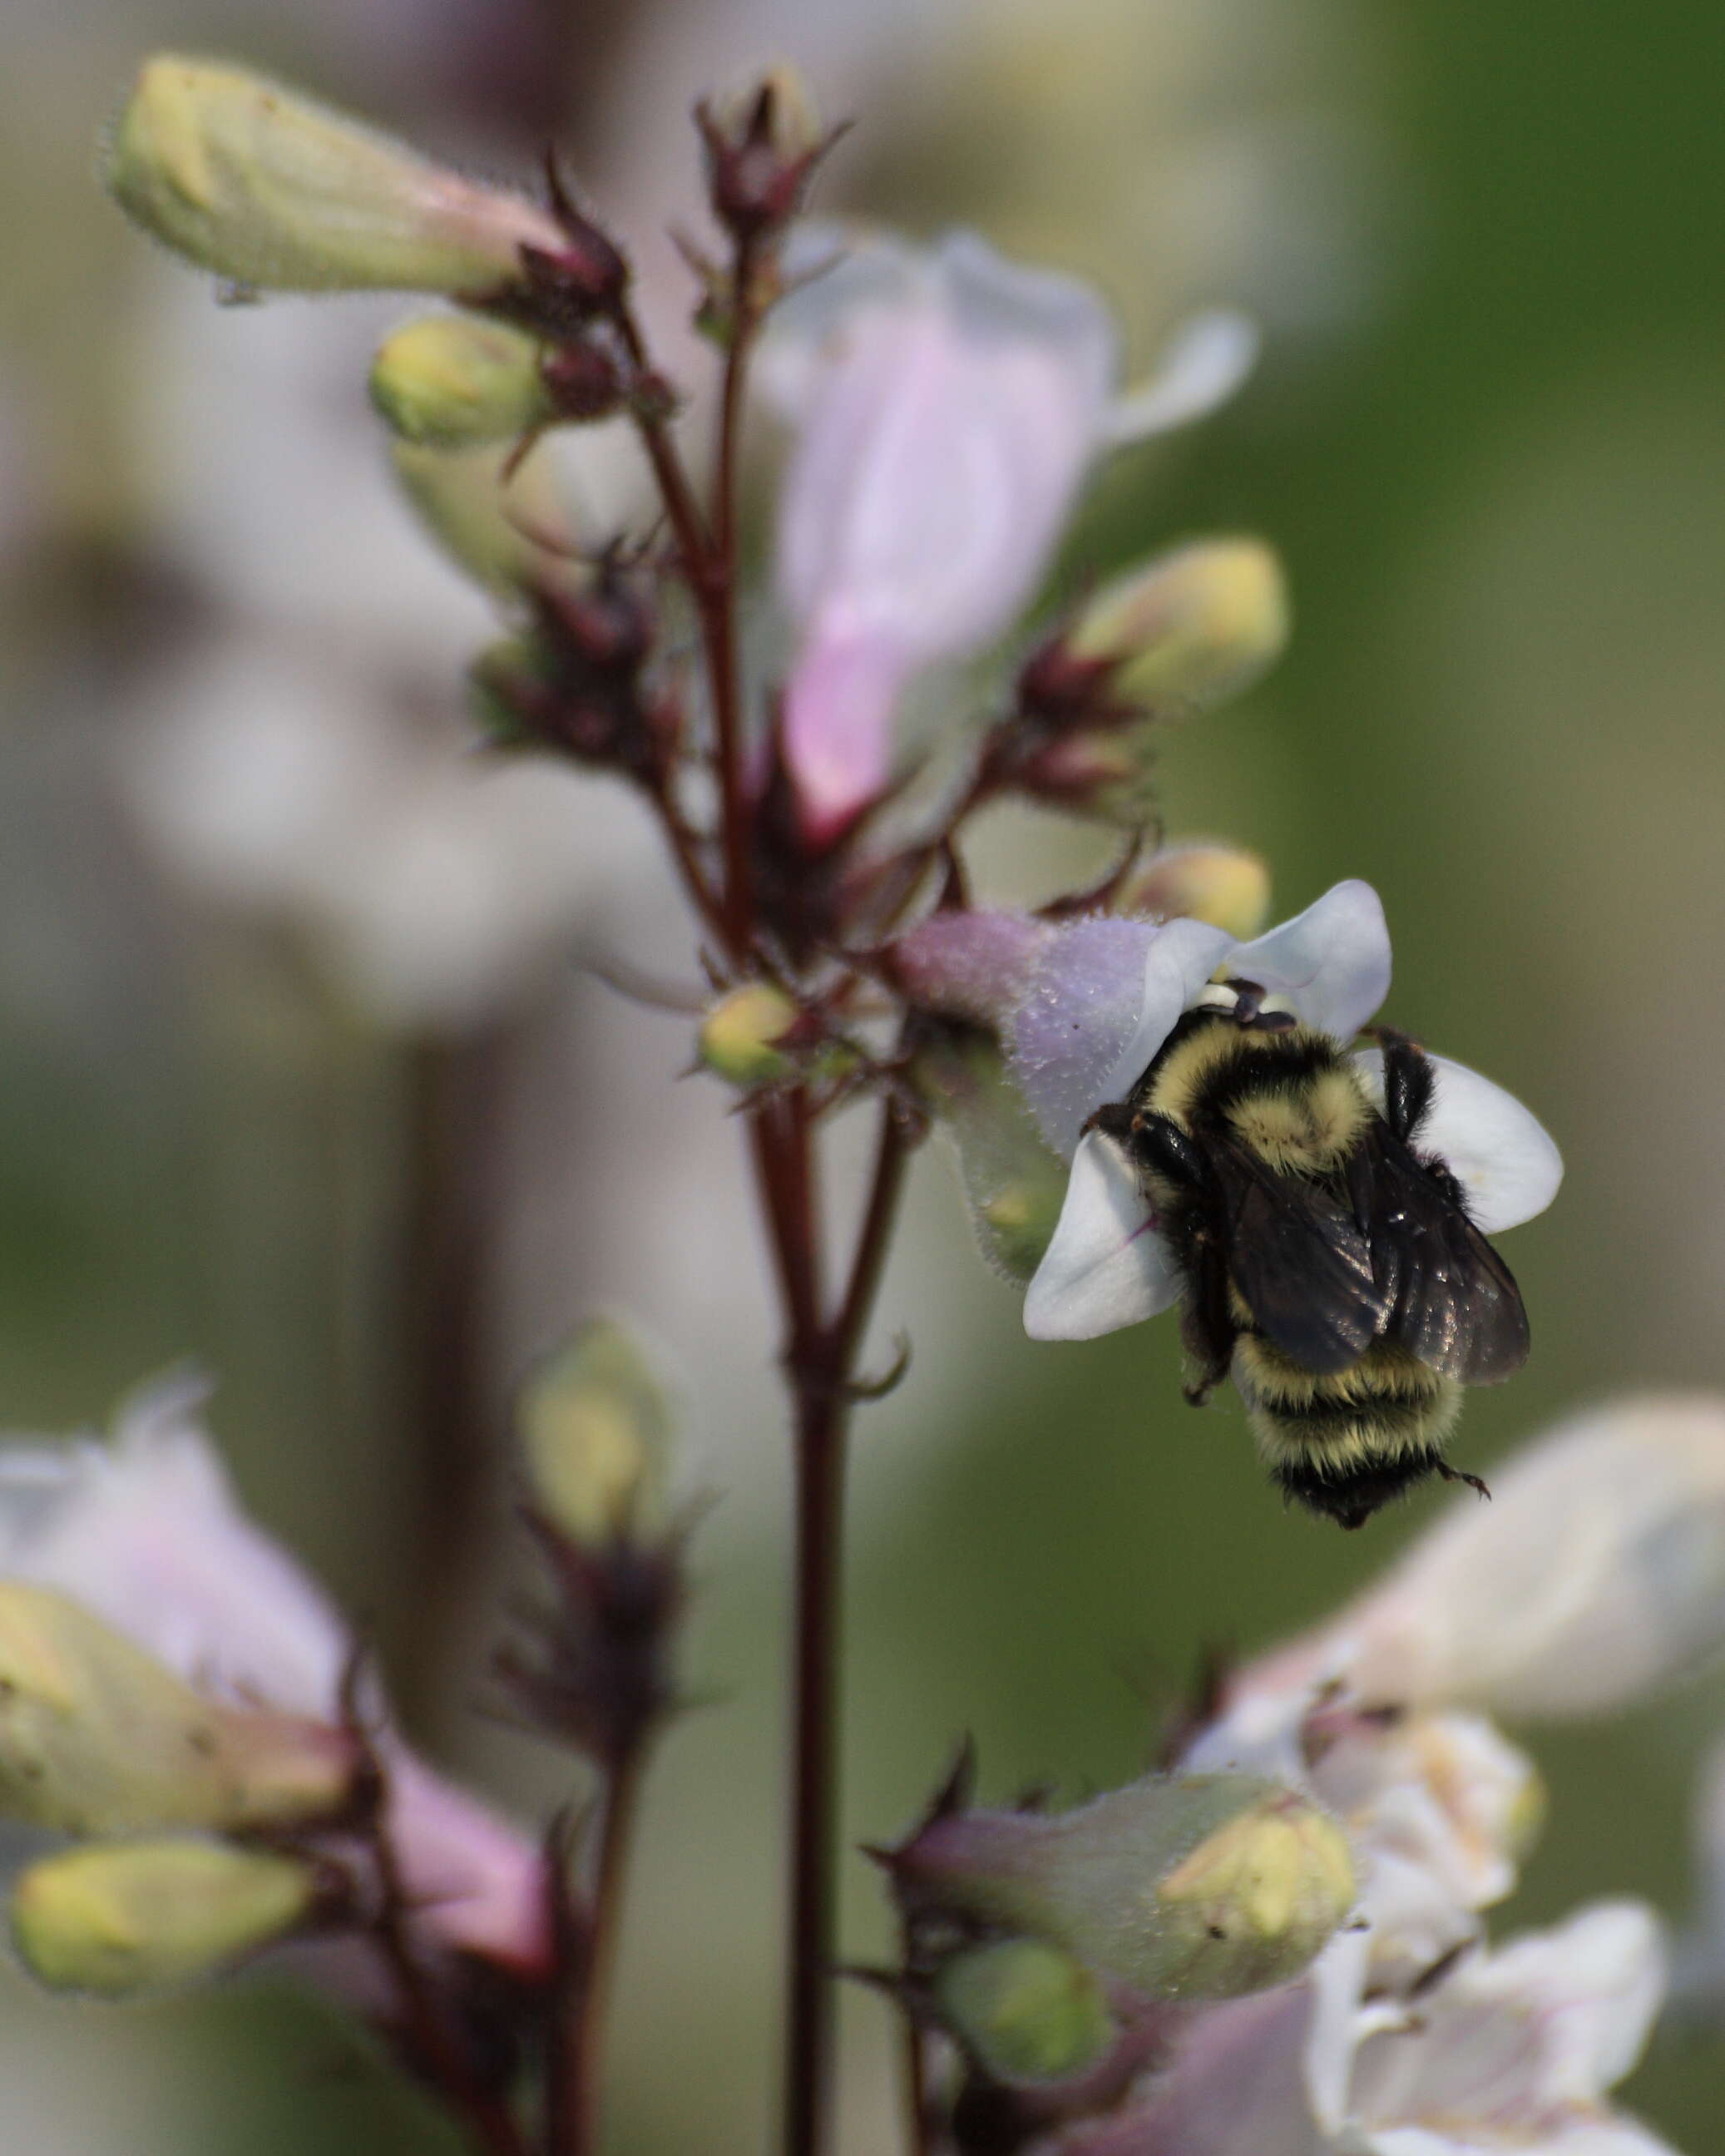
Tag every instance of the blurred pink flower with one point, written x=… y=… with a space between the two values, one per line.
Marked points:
x=948 y=405
x=145 y=1532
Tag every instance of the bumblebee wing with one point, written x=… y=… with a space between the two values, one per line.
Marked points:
x=1299 y=1262
x=1453 y=1302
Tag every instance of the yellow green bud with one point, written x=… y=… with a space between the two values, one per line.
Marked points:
x=123 y=1917
x=1224 y=886
x=1252 y=1903
x=456 y=380
x=480 y=516
x=1192 y=627
x=595 y=1429
x=264 y=186
x=739 y=1036
x=97 y=1736
x=1199 y=1886
x=1028 y=2011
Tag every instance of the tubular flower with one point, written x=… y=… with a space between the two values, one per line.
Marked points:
x=948 y=405
x=145 y=1533
x=1102 y=997
x=1511 y=2050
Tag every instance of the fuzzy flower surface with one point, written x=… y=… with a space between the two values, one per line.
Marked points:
x=144 y=1530
x=947 y=406
x=1104 y=994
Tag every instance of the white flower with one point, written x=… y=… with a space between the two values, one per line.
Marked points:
x=947 y=404
x=433 y=884
x=1511 y=2050
x=145 y=1532
x=1105 y=994
x=1595 y=1575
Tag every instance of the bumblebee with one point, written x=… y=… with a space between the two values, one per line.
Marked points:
x=1327 y=1259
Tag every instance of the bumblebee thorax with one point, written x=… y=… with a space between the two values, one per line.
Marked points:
x=1292 y=1098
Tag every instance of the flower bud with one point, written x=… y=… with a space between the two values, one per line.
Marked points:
x=455 y=381
x=762 y=141
x=1192 y=627
x=97 y=1736
x=596 y=1428
x=1224 y=886
x=1028 y=2011
x=124 y=1917
x=740 y=1037
x=1104 y=771
x=1200 y=1887
x=479 y=518
x=267 y=188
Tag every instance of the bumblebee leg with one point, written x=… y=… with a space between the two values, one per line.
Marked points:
x=1115 y=1119
x=1409 y=1083
x=1207 y=1322
x=1459 y=1475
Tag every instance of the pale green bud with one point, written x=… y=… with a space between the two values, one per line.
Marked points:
x=456 y=380
x=1191 y=627
x=1224 y=886
x=1029 y=2011
x=480 y=516
x=97 y=1736
x=119 y=1918
x=595 y=1429
x=265 y=186
x=1200 y=1887
x=739 y=1036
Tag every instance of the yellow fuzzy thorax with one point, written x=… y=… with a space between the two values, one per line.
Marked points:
x=1298 y=1123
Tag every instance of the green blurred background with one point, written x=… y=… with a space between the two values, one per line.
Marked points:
x=1488 y=436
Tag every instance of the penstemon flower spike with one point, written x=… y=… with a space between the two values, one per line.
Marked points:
x=1277 y=1942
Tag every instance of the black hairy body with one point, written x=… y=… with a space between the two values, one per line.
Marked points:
x=1327 y=1259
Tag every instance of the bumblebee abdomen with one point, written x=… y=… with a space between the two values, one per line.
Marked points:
x=1345 y=1443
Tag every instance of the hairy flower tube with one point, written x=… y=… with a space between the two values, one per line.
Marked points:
x=948 y=405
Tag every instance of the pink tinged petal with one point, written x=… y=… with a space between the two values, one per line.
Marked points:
x=1596 y=1574
x=147 y=1532
x=1501 y=1153
x=1103 y=996
x=839 y=707
x=1332 y=961
x=1513 y=2039
x=1205 y=362
x=1107 y=1266
x=947 y=417
x=477 y=1883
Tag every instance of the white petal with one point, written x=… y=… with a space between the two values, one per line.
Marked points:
x=1332 y=961
x=1103 y=995
x=1207 y=359
x=1107 y=1266
x=1596 y=1574
x=1501 y=1153
x=147 y=1532
x=1177 y=964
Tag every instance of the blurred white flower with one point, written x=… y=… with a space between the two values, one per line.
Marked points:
x=947 y=404
x=1515 y=2050
x=435 y=882
x=1596 y=1574
x=1105 y=993
x=145 y=1532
